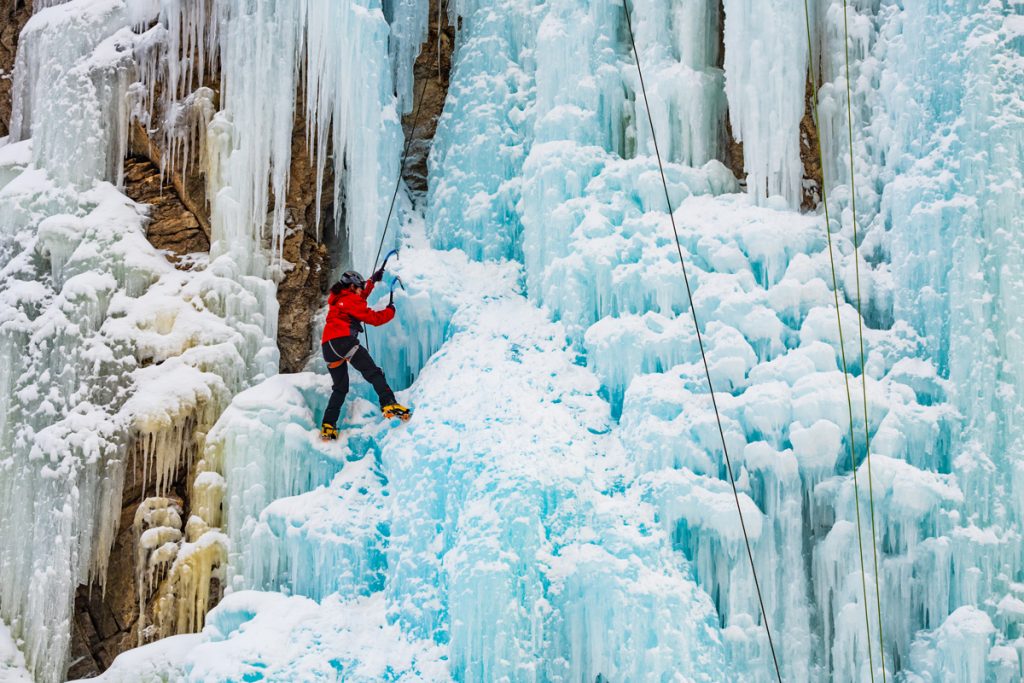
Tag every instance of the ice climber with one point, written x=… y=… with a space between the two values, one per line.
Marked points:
x=347 y=311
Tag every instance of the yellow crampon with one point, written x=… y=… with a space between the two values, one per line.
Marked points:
x=328 y=432
x=393 y=410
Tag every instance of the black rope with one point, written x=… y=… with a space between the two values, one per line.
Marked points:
x=394 y=196
x=401 y=172
x=703 y=354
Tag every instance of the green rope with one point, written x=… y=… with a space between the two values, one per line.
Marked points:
x=842 y=343
x=860 y=327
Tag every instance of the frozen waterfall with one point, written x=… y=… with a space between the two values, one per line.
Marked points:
x=559 y=508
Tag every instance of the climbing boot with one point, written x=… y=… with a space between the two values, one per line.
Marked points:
x=393 y=410
x=328 y=432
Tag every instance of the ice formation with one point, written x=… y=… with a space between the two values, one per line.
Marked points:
x=559 y=508
x=109 y=352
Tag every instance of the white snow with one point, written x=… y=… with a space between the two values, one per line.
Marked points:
x=12 y=662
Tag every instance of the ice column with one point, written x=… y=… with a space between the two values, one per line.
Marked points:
x=71 y=76
x=483 y=136
x=680 y=56
x=410 y=23
x=765 y=72
x=348 y=101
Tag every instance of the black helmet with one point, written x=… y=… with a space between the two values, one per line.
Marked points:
x=351 y=278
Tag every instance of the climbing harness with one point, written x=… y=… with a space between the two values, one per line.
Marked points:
x=344 y=359
x=842 y=345
x=700 y=343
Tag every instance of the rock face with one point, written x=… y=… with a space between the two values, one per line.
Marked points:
x=809 y=152
x=173 y=227
x=300 y=294
x=13 y=15
x=107 y=617
x=733 y=154
x=189 y=187
x=431 y=72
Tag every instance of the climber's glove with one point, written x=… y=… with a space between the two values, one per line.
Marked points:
x=378 y=276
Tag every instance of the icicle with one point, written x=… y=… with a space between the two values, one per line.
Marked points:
x=765 y=72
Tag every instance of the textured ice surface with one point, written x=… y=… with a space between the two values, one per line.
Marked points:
x=254 y=636
x=108 y=352
x=559 y=509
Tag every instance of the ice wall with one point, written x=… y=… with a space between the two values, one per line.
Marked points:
x=598 y=255
x=109 y=353
x=954 y=207
x=270 y=53
x=559 y=507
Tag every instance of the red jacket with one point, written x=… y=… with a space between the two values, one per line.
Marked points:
x=347 y=311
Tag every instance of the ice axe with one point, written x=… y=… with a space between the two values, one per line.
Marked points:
x=393 y=252
x=394 y=281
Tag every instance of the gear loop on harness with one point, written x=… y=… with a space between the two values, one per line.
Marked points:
x=343 y=358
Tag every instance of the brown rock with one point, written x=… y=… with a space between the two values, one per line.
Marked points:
x=734 y=154
x=172 y=227
x=83 y=638
x=13 y=15
x=810 y=152
x=432 y=73
x=189 y=189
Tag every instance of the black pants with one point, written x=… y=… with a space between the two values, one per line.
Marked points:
x=334 y=350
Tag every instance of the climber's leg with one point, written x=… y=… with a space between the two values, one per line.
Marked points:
x=334 y=351
x=362 y=362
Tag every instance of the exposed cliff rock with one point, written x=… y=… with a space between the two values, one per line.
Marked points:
x=432 y=71
x=733 y=153
x=189 y=187
x=300 y=293
x=173 y=227
x=13 y=15
x=809 y=152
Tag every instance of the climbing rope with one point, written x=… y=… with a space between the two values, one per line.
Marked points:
x=700 y=343
x=394 y=197
x=401 y=172
x=860 y=329
x=842 y=348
